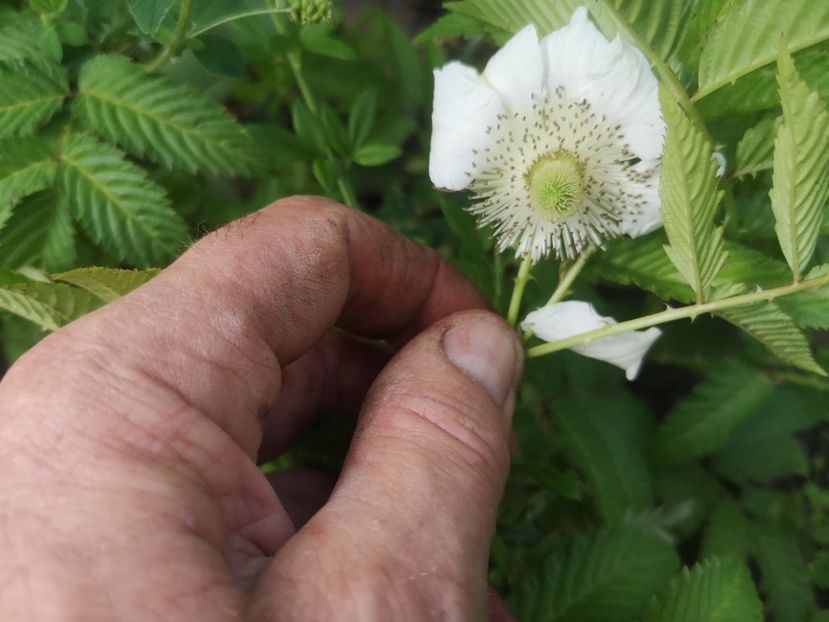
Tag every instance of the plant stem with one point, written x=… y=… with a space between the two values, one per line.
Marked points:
x=232 y=18
x=564 y=283
x=177 y=38
x=680 y=313
x=295 y=64
x=518 y=290
x=497 y=269
x=349 y=198
x=570 y=275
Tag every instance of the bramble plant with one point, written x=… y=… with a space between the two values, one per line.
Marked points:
x=651 y=180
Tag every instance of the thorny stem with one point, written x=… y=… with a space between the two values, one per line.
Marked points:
x=518 y=290
x=177 y=38
x=670 y=315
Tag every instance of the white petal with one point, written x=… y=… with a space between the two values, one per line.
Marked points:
x=464 y=107
x=650 y=216
x=516 y=71
x=567 y=319
x=722 y=164
x=612 y=76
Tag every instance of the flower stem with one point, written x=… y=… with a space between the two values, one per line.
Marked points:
x=671 y=315
x=565 y=281
x=518 y=290
x=177 y=38
x=295 y=64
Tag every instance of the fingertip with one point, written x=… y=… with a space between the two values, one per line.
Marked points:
x=485 y=348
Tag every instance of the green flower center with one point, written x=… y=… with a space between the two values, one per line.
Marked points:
x=555 y=184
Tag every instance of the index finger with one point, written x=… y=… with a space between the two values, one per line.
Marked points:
x=217 y=326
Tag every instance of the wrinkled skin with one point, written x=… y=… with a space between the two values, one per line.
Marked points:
x=129 y=439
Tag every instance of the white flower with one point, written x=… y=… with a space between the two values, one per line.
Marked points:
x=560 y=140
x=567 y=319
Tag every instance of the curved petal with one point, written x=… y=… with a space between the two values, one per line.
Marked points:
x=464 y=107
x=612 y=76
x=567 y=319
x=516 y=70
x=650 y=217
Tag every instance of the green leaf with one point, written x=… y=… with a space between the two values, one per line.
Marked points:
x=755 y=151
x=785 y=576
x=106 y=284
x=48 y=305
x=307 y=127
x=747 y=38
x=688 y=189
x=29 y=97
x=801 y=168
x=764 y=448
x=610 y=456
x=220 y=56
x=767 y=323
x=40 y=233
x=643 y=262
x=362 y=117
x=819 y=570
x=118 y=205
x=49 y=6
x=608 y=577
x=376 y=154
x=17 y=336
x=717 y=590
x=759 y=90
x=316 y=39
x=657 y=22
x=450 y=26
x=765 y=460
x=703 y=422
x=809 y=309
x=149 y=14
x=26 y=166
x=726 y=532
x=31 y=42
x=167 y=122
x=512 y=15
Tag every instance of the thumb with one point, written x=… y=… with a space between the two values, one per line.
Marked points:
x=406 y=532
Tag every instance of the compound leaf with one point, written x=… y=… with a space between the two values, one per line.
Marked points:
x=608 y=577
x=121 y=208
x=703 y=422
x=717 y=590
x=150 y=116
x=29 y=97
x=39 y=233
x=769 y=324
x=747 y=37
x=688 y=189
x=106 y=284
x=801 y=168
x=48 y=305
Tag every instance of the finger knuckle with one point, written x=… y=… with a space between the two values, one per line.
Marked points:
x=470 y=434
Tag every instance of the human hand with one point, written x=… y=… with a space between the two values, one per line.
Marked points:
x=129 y=439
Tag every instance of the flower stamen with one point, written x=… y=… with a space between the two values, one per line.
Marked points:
x=555 y=184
